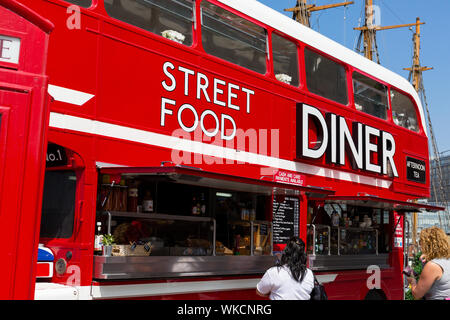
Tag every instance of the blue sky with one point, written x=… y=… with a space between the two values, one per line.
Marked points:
x=395 y=46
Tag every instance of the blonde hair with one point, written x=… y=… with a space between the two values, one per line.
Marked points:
x=434 y=243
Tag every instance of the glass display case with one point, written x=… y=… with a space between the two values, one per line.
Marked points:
x=318 y=239
x=355 y=240
x=326 y=240
x=251 y=238
x=168 y=235
x=262 y=238
x=341 y=236
x=240 y=233
x=167 y=224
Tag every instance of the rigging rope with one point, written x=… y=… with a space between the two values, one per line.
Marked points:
x=441 y=193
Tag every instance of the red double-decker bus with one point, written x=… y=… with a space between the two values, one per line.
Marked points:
x=201 y=135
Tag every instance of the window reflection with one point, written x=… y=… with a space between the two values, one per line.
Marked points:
x=172 y=19
x=370 y=96
x=325 y=77
x=403 y=111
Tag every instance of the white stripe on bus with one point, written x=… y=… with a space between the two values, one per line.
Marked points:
x=68 y=95
x=53 y=291
x=68 y=122
x=189 y=287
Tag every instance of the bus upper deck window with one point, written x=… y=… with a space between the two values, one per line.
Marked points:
x=370 y=96
x=172 y=19
x=285 y=60
x=233 y=38
x=403 y=111
x=81 y=3
x=58 y=204
x=325 y=77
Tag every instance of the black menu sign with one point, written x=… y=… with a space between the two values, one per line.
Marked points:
x=286 y=216
x=416 y=170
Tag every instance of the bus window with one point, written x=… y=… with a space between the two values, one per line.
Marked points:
x=403 y=111
x=325 y=77
x=171 y=19
x=370 y=96
x=285 y=60
x=232 y=38
x=58 y=205
x=81 y=3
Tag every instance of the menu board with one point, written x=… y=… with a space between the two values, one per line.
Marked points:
x=286 y=216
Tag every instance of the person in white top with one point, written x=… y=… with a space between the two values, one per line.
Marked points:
x=290 y=279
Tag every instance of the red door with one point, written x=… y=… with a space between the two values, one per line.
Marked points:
x=23 y=125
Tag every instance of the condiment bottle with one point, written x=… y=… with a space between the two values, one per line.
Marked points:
x=98 y=239
x=252 y=214
x=132 y=200
x=147 y=202
x=203 y=205
x=195 y=208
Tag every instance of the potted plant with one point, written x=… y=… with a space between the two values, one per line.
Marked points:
x=417 y=267
x=107 y=241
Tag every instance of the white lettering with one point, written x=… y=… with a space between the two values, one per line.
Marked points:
x=187 y=310
x=306 y=151
x=333 y=138
x=414 y=165
x=217 y=91
x=246 y=309
x=172 y=87
x=202 y=87
x=187 y=72
x=370 y=147
x=388 y=154
x=249 y=93
x=344 y=134
x=232 y=133
x=165 y=111
x=194 y=112
x=216 y=129
x=336 y=140
x=232 y=95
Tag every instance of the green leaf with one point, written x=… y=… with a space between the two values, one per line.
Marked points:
x=108 y=239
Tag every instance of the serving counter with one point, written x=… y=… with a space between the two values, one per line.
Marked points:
x=114 y=268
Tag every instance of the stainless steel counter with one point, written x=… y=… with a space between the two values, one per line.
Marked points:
x=178 y=266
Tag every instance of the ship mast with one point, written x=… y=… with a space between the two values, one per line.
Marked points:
x=415 y=72
x=415 y=75
x=368 y=33
x=302 y=11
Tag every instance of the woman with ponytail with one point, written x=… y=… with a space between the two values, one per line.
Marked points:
x=289 y=279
